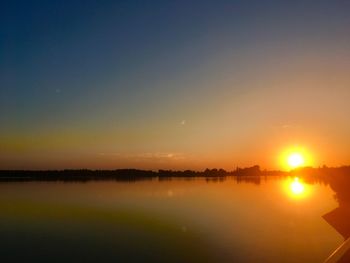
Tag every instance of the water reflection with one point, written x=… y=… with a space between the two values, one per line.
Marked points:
x=296 y=188
x=229 y=219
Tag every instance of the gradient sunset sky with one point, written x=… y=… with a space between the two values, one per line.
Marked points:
x=173 y=84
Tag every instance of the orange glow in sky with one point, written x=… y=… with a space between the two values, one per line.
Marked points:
x=295 y=157
x=295 y=160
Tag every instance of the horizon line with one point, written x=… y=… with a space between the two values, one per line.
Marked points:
x=181 y=170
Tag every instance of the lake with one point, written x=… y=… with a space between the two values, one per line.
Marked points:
x=255 y=219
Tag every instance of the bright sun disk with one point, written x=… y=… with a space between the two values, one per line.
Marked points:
x=295 y=160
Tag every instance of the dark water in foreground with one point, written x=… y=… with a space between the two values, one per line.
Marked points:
x=259 y=220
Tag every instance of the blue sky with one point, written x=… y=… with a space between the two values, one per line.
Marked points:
x=110 y=82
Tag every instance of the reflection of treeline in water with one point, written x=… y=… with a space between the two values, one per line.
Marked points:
x=323 y=174
x=251 y=174
x=122 y=174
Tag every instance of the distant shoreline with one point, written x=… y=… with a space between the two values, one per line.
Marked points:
x=135 y=174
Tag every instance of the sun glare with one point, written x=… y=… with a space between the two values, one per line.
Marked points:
x=295 y=157
x=295 y=160
x=297 y=187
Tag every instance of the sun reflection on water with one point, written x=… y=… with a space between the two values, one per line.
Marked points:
x=296 y=188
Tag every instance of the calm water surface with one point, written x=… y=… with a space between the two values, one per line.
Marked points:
x=257 y=220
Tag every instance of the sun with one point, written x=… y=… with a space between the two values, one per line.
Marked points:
x=295 y=160
x=295 y=157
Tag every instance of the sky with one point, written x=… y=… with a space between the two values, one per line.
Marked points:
x=173 y=84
